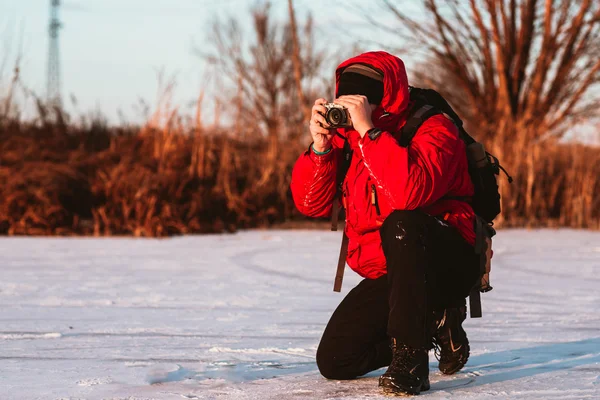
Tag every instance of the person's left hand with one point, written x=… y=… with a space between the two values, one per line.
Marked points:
x=360 y=111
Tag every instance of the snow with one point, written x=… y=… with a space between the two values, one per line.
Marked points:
x=240 y=316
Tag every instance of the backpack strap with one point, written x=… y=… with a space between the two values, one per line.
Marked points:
x=414 y=122
x=432 y=97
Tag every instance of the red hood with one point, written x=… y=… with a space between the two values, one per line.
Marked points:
x=395 y=87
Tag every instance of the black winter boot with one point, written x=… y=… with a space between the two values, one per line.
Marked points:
x=450 y=340
x=408 y=373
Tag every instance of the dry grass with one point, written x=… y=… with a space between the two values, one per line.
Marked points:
x=555 y=185
x=158 y=181
x=57 y=180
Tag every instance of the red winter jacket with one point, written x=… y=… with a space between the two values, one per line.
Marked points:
x=434 y=165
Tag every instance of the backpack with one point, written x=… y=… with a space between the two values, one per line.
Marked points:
x=483 y=169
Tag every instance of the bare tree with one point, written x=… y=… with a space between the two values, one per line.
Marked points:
x=523 y=65
x=267 y=79
x=297 y=61
x=521 y=73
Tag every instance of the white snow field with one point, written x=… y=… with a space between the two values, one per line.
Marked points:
x=240 y=317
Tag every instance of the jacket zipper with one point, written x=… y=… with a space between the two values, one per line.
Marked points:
x=374 y=199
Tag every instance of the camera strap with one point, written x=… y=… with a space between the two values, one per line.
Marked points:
x=342 y=170
x=339 y=275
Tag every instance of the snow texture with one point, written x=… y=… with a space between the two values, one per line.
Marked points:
x=240 y=316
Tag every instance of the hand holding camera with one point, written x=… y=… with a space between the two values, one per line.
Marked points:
x=346 y=111
x=359 y=112
x=320 y=130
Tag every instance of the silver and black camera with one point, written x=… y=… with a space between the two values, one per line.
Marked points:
x=337 y=116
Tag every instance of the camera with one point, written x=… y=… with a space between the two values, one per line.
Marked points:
x=337 y=116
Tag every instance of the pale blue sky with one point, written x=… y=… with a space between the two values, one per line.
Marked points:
x=111 y=50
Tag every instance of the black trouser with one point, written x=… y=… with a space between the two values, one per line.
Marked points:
x=429 y=267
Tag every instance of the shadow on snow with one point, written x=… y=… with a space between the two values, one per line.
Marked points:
x=514 y=364
x=482 y=369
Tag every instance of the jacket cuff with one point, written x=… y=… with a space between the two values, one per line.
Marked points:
x=319 y=159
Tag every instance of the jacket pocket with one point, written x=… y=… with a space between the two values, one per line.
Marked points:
x=374 y=200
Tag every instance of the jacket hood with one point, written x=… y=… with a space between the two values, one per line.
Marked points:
x=391 y=112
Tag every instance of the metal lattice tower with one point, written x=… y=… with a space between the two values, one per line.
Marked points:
x=53 y=89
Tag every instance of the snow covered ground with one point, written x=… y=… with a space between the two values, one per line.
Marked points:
x=240 y=316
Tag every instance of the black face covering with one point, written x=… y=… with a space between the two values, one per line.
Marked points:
x=363 y=80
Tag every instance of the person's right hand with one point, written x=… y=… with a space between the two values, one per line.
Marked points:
x=319 y=129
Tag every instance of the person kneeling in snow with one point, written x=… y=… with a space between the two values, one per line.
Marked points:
x=410 y=235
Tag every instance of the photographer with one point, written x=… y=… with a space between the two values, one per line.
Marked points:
x=410 y=235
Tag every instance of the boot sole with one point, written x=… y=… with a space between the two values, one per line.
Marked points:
x=392 y=391
x=460 y=365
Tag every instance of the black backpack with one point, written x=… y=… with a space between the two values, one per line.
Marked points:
x=483 y=169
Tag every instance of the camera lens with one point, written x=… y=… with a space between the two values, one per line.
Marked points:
x=335 y=116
